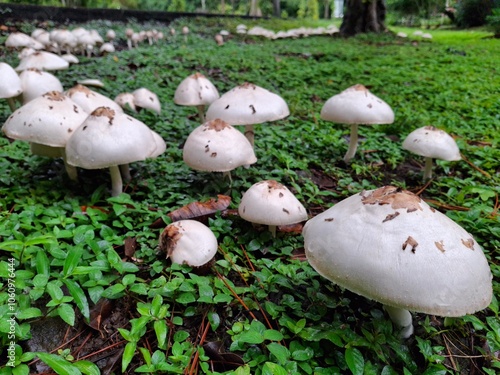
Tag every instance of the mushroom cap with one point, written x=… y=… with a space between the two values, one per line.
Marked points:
x=216 y=146
x=248 y=104
x=19 y=40
x=390 y=246
x=433 y=143
x=42 y=60
x=49 y=119
x=357 y=105
x=188 y=242
x=37 y=82
x=90 y=100
x=195 y=90
x=107 y=138
x=125 y=99
x=10 y=85
x=271 y=203
x=144 y=98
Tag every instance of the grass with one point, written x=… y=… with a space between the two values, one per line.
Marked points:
x=90 y=261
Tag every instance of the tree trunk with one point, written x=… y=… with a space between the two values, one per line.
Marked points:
x=277 y=8
x=363 y=17
x=326 y=9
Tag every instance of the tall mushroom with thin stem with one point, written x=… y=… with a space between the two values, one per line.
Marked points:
x=247 y=105
x=389 y=245
x=109 y=139
x=432 y=143
x=196 y=90
x=270 y=203
x=356 y=106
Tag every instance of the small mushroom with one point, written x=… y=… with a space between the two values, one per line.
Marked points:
x=89 y=99
x=10 y=85
x=389 y=245
x=42 y=60
x=432 y=143
x=196 y=90
x=188 y=242
x=126 y=100
x=144 y=98
x=37 y=82
x=355 y=106
x=270 y=203
x=248 y=104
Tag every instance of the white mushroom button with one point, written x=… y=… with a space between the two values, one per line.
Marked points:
x=188 y=242
x=271 y=203
x=432 y=143
x=145 y=98
x=390 y=246
x=356 y=106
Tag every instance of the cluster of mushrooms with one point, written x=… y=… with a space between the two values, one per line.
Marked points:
x=385 y=244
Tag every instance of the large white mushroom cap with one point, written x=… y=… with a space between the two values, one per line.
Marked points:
x=248 y=104
x=390 y=246
x=188 y=242
x=271 y=203
x=108 y=138
x=357 y=105
x=216 y=146
x=10 y=85
x=42 y=60
x=37 y=82
x=49 y=120
x=433 y=143
x=90 y=100
x=195 y=90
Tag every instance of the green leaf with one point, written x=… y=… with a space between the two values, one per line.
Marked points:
x=251 y=337
x=270 y=368
x=161 y=329
x=72 y=260
x=41 y=240
x=28 y=313
x=66 y=313
x=87 y=367
x=79 y=297
x=58 y=364
x=281 y=353
x=273 y=335
x=355 y=361
x=42 y=264
x=128 y=355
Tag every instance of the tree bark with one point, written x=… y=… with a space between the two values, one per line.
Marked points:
x=363 y=17
x=277 y=8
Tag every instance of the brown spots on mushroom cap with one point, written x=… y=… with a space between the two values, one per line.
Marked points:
x=55 y=96
x=273 y=185
x=393 y=196
x=359 y=87
x=247 y=85
x=390 y=216
x=217 y=125
x=104 y=112
x=169 y=238
x=440 y=245
x=197 y=75
x=79 y=88
x=410 y=241
x=468 y=243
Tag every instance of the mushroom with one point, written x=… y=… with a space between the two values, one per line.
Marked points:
x=126 y=100
x=10 y=85
x=109 y=139
x=42 y=60
x=185 y=32
x=270 y=203
x=188 y=242
x=356 y=105
x=37 y=82
x=432 y=143
x=389 y=245
x=196 y=90
x=216 y=146
x=143 y=98
x=46 y=122
x=248 y=104
x=89 y=100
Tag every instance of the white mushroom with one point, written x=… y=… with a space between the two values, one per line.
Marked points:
x=216 y=146
x=10 y=85
x=144 y=98
x=188 y=242
x=355 y=106
x=432 y=143
x=109 y=139
x=196 y=90
x=126 y=100
x=89 y=99
x=42 y=60
x=248 y=104
x=390 y=246
x=37 y=82
x=271 y=203
x=46 y=122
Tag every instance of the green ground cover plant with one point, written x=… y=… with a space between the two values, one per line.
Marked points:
x=88 y=263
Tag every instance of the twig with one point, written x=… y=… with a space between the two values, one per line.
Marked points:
x=454 y=366
x=475 y=167
x=422 y=189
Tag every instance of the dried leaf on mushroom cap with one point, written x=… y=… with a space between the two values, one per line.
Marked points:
x=248 y=104
x=49 y=119
x=432 y=142
x=357 y=105
x=188 y=242
x=391 y=246
x=271 y=203
x=195 y=90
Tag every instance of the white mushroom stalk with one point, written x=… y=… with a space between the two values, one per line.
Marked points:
x=188 y=242
x=432 y=143
x=271 y=203
x=355 y=106
x=390 y=246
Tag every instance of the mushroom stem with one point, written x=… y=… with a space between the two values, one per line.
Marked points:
x=125 y=172
x=272 y=229
x=12 y=104
x=250 y=134
x=70 y=169
x=402 y=318
x=201 y=112
x=353 y=143
x=428 y=169
x=116 y=180
x=228 y=175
